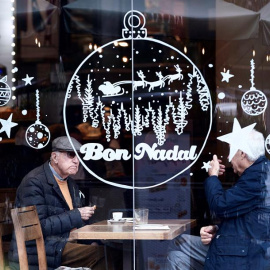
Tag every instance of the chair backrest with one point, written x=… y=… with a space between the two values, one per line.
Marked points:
x=27 y=227
x=6 y=228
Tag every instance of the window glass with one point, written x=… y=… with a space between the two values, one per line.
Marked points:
x=147 y=87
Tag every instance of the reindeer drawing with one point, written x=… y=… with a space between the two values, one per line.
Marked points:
x=179 y=76
x=159 y=83
x=142 y=83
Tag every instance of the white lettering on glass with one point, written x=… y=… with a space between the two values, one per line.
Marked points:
x=96 y=151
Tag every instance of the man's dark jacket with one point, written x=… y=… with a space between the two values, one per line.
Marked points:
x=243 y=239
x=40 y=188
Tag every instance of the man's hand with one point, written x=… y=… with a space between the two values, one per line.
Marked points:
x=221 y=167
x=216 y=167
x=208 y=233
x=86 y=212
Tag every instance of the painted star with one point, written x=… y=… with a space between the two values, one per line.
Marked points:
x=206 y=166
x=226 y=76
x=7 y=125
x=237 y=138
x=28 y=79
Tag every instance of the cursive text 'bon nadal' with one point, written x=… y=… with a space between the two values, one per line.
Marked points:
x=96 y=151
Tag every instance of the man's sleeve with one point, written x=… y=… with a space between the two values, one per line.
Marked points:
x=235 y=201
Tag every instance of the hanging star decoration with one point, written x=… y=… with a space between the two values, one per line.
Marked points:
x=238 y=138
x=28 y=80
x=7 y=125
x=206 y=166
x=226 y=76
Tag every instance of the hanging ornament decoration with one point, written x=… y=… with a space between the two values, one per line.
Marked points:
x=5 y=91
x=253 y=102
x=37 y=135
x=148 y=89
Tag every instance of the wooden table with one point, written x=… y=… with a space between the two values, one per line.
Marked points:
x=126 y=231
x=105 y=231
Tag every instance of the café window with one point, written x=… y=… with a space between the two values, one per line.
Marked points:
x=148 y=88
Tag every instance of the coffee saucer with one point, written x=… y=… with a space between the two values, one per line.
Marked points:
x=120 y=221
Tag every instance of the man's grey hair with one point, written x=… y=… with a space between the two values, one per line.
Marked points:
x=256 y=145
x=57 y=154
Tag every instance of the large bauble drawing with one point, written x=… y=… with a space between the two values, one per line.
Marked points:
x=138 y=83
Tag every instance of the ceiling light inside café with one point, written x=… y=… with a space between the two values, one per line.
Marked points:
x=123 y=44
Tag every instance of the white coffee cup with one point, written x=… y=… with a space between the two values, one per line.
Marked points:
x=117 y=215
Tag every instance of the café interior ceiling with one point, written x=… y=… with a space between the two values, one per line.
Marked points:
x=225 y=22
x=254 y=5
x=214 y=20
x=237 y=27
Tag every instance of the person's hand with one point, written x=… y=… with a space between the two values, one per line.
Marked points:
x=221 y=167
x=215 y=167
x=208 y=233
x=87 y=212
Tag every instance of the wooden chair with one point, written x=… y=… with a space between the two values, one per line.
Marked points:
x=27 y=227
x=6 y=228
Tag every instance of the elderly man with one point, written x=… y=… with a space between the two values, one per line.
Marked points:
x=242 y=240
x=58 y=203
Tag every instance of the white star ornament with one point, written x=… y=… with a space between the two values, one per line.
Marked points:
x=28 y=80
x=7 y=125
x=238 y=138
x=206 y=166
x=226 y=76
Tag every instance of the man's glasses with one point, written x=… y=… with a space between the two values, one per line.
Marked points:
x=70 y=155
